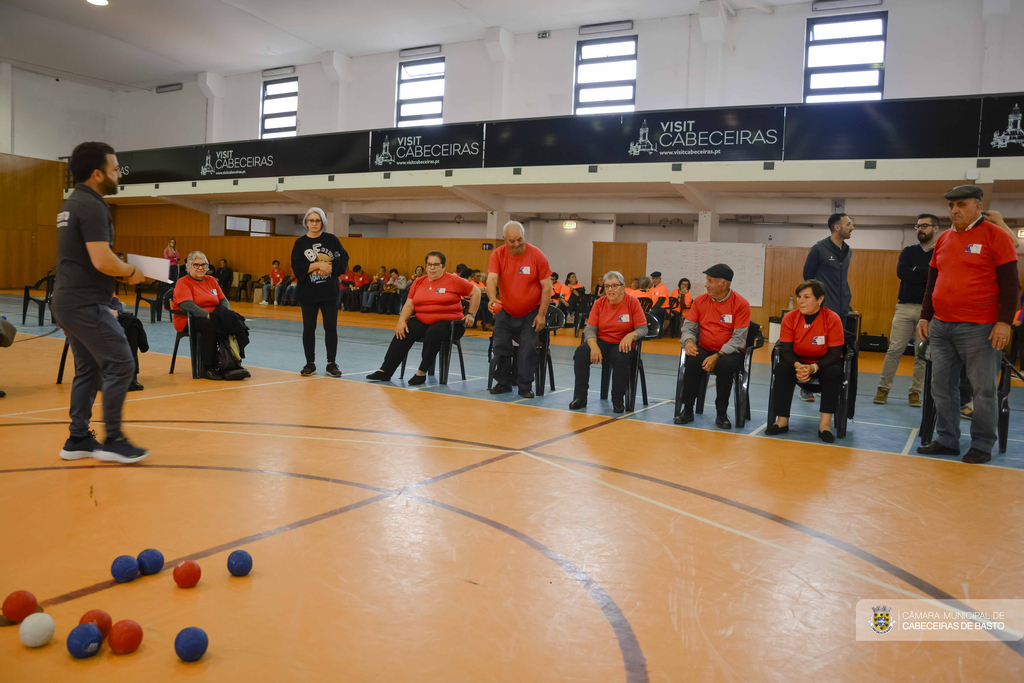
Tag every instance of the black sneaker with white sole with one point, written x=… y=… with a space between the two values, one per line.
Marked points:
x=333 y=370
x=120 y=450
x=84 y=448
x=308 y=369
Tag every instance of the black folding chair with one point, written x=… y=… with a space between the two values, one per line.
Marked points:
x=555 y=320
x=154 y=301
x=244 y=287
x=1007 y=372
x=47 y=285
x=636 y=373
x=741 y=381
x=193 y=343
x=445 y=354
x=843 y=412
x=583 y=307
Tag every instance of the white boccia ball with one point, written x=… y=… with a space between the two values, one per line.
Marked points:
x=37 y=629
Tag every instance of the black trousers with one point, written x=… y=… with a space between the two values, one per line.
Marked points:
x=505 y=328
x=329 y=311
x=433 y=336
x=830 y=379
x=621 y=364
x=725 y=370
x=207 y=340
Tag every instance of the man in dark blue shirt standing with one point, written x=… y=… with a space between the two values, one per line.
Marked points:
x=828 y=262
x=912 y=270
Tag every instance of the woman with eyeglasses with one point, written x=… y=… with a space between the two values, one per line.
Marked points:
x=198 y=294
x=436 y=303
x=317 y=260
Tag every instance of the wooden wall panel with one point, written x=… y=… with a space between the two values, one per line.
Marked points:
x=161 y=219
x=629 y=258
x=30 y=197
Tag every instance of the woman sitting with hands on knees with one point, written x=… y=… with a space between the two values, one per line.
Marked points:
x=812 y=343
x=436 y=301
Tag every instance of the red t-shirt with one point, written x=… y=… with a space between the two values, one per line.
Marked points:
x=276 y=276
x=812 y=342
x=966 y=290
x=659 y=291
x=519 y=278
x=718 y=319
x=359 y=279
x=615 y=322
x=206 y=294
x=439 y=299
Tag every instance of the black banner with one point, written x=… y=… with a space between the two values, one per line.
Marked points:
x=460 y=145
x=907 y=129
x=743 y=134
x=1001 y=130
x=308 y=155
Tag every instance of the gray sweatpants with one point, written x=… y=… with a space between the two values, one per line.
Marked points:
x=103 y=360
x=904 y=328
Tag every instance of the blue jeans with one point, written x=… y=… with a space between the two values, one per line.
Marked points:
x=954 y=345
x=277 y=292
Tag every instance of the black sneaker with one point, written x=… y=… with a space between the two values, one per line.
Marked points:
x=722 y=421
x=333 y=370
x=578 y=403
x=501 y=389
x=976 y=457
x=86 y=448
x=308 y=369
x=120 y=450
x=135 y=386
x=685 y=417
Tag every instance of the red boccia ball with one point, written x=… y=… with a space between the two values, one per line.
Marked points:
x=125 y=637
x=19 y=605
x=98 y=617
x=187 y=574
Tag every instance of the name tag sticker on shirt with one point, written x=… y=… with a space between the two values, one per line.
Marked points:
x=726 y=318
x=524 y=270
x=624 y=318
x=440 y=290
x=973 y=249
x=817 y=341
x=213 y=291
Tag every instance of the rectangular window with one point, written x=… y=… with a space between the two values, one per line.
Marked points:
x=279 y=108
x=252 y=226
x=605 y=76
x=844 y=58
x=420 y=100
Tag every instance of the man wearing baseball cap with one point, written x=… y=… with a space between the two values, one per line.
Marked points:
x=968 y=306
x=714 y=338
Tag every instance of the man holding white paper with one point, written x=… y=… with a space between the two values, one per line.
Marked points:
x=86 y=272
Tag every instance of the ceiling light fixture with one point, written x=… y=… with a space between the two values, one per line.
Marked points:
x=420 y=51
x=279 y=71
x=98 y=3
x=170 y=87
x=609 y=27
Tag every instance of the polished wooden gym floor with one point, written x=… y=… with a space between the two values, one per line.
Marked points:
x=405 y=535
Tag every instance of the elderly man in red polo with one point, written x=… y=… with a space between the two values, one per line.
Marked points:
x=969 y=303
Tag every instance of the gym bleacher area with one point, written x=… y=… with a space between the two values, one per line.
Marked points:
x=363 y=338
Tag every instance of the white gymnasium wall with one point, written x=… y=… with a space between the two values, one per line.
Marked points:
x=439 y=230
x=569 y=250
x=50 y=116
x=146 y=119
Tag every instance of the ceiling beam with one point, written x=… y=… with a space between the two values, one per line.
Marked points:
x=485 y=200
x=308 y=198
x=702 y=200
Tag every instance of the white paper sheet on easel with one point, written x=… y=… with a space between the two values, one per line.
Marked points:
x=152 y=267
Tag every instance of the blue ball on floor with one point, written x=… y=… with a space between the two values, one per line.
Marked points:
x=124 y=569
x=239 y=563
x=150 y=561
x=84 y=640
x=191 y=644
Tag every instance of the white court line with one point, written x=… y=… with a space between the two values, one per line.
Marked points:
x=758 y=430
x=187 y=393
x=308 y=438
x=546 y=393
x=458 y=381
x=653 y=405
x=771 y=544
x=910 y=442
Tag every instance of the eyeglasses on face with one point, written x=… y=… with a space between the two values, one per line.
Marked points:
x=434 y=265
x=614 y=286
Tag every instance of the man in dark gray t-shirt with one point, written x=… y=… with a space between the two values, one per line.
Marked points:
x=87 y=269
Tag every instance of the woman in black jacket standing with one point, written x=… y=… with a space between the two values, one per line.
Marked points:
x=318 y=259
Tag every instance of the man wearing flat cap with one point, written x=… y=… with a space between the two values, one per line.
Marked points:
x=714 y=338
x=968 y=307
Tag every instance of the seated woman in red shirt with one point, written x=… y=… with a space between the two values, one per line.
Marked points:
x=436 y=301
x=198 y=294
x=570 y=293
x=616 y=321
x=812 y=342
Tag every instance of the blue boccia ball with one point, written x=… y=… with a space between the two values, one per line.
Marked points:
x=84 y=640
x=124 y=569
x=191 y=644
x=150 y=561
x=239 y=563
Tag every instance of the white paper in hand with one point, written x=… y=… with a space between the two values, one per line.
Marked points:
x=152 y=267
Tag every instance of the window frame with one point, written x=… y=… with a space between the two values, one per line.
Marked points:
x=263 y=101
x=231 y=232
x=848 y=68
x=399 y=119
x=580 y=61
